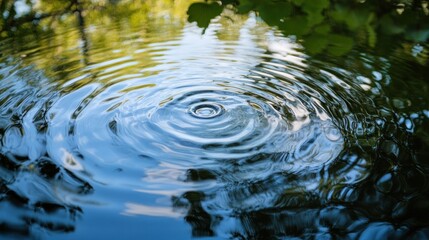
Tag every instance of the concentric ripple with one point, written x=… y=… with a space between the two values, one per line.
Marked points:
x=206 y=110
x=227 y=120
x=236 y=133
x=152 y=129
x=256 y=116
x=191 y=125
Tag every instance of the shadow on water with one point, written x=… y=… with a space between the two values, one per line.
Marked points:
x=34 y=188
x=239 y=133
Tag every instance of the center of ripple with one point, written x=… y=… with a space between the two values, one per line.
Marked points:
x=206 y=110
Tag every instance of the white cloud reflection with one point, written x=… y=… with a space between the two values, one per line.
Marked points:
x=141 y=209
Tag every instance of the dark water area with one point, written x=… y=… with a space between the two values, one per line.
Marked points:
x=134 y=120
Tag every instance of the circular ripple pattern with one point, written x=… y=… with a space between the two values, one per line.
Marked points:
x=240 y=137
x=199 y=123
x=225 y=120
x=206 y=110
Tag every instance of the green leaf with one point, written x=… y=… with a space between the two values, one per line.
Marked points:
x=296 y=25
x=298 y=2
x=314 y=6
x=353 y=20
x=358 y=18
x=339 y=44
x=315 y=43
x=273 y=14
x=339 y=14
x=314 y=19
x=388 y=26
x=372 y=36
x=203 y=13
x=322 y=28
x=245 y=6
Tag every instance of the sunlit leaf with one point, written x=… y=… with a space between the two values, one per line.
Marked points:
x=203 y=13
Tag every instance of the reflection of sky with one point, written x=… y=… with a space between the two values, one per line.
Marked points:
x=140 y=209
x=22 y=8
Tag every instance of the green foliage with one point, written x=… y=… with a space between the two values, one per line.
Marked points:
x=203 y=13
x=329 y=26
x=339 y=44
x=275 y=14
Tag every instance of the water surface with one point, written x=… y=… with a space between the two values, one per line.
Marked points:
x=124 y=127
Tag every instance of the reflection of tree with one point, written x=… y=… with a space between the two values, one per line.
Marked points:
x=332 y=27
x=83 y=35
x=388 y=203
x=59 y=36
x=27 y=200
x=35 y=22
x=56 y=36
x=28 y=197
x=11 y=18
x=377 y=188
x=33 y=187
x=196 y=216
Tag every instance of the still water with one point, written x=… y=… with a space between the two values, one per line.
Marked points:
x=141 y=127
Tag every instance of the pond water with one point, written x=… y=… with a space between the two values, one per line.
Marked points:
x=132 y=123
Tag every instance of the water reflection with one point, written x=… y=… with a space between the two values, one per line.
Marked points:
x=35 y=190
x=229 y=135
